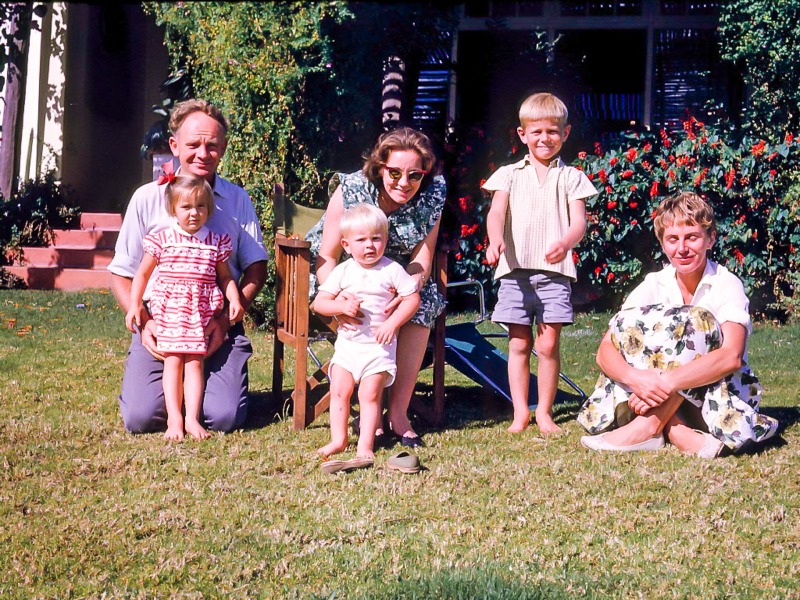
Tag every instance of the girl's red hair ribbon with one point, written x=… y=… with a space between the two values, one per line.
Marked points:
x=169 y=173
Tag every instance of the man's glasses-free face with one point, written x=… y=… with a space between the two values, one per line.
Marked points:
x=396 y=174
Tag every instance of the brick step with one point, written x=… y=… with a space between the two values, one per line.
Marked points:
x=66 y=257
x=94 y=221
x=66 y=280
x=86 y=238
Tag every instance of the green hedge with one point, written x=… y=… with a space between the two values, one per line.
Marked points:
x=753 y=186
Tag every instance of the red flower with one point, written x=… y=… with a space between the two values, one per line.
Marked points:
x=609 y=189
x=730 y=177
x=613 y=161
x=789 y=137
x=633 y=205
x=459 y=256
x=602 y=175
x=700 y=176
x=647 y=147
x=772 y=173
x=610 y=276
x=597 y=270
x=575 y=258
x=582 y=155
x=611 y=205
x=590 y=176
x=739 y=256
x=631 y=154
x=627 y=174
x=758 y=149
x=654 y=189
x=598 y=149
x=632 y=188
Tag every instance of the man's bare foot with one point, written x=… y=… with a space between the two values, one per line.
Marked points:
x=520 y=422
x=196 y=430
x=174 y=431
x=546 y=424
x=332 y=448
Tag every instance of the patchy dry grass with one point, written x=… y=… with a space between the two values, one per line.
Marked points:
x=87 y=510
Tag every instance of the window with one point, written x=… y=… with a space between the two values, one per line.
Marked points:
x=600 y=8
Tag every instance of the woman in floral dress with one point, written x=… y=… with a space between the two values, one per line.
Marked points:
x=674 y=360
x=399 y=177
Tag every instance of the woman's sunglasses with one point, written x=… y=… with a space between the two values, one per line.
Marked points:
x=396 y=174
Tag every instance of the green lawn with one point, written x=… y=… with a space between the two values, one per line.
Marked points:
x=87 y=510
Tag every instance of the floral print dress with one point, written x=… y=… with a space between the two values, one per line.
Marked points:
x=408 y=226
x=665 y=337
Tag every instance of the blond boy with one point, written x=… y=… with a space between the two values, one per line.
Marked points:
x=537 y=216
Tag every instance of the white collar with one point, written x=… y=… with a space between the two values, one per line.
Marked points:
x=201 y=233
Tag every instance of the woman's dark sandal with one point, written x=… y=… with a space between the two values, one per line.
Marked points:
x=404 y=462
x=411 y=442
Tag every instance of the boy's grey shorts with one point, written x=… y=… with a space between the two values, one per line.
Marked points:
x=526 y=294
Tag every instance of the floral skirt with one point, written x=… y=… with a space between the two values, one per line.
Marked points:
x=666 y=337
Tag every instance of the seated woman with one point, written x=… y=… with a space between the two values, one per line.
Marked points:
x=400 y=177
x=674 y=360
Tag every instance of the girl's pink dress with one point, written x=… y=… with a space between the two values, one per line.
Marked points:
x=185 y=295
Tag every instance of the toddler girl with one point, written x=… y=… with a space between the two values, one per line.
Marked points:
x=185 y=296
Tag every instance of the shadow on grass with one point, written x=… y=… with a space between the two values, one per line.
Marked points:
x=469 y=407
x=473 y=407
x=265 y=410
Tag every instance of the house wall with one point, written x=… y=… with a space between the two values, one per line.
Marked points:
x=114 y=63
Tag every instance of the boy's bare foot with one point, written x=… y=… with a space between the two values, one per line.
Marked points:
x=174 y=432
x=520 y=422
x=196 y=430
x=332 y=448
x=546 y=424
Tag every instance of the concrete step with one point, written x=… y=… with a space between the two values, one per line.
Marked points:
x=86 y=238
x=67 y=280
x=78 y=258
x=66 y=257
x=93 y=221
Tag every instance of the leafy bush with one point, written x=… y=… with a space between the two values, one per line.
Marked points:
x=30 y=216
x=747 y=183
x=760 y=37
x=754 y=188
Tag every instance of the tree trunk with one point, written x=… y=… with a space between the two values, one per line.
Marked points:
x=17 y=39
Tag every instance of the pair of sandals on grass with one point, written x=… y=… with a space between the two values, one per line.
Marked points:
x=404 y=462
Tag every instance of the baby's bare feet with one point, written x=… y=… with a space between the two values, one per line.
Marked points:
x=332 y=448
x=546 y=424
x=196 y=430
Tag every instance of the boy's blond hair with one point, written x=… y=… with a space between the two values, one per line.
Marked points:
x=366 y=217
x=541 y=106
x=191 y=186
x=684 y=208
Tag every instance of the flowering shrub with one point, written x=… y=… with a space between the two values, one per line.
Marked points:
x=753 y=186
x=747 y=183
x=464 y=219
